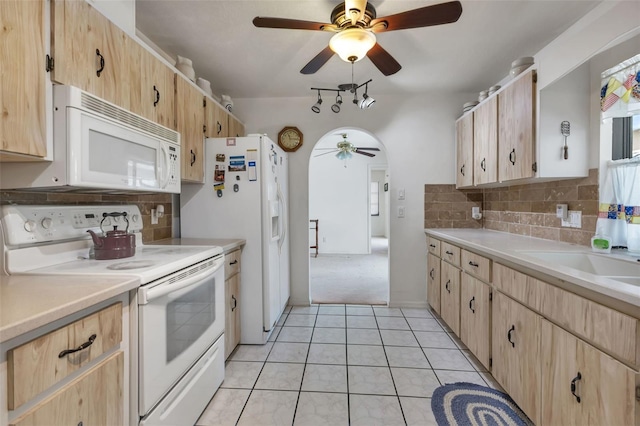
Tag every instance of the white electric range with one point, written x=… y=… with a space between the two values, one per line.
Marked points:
x=180 y=302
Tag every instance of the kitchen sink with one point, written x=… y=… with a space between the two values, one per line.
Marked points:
x=596 y=264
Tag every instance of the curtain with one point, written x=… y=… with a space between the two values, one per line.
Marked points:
x=619 y=210
x=620 y=93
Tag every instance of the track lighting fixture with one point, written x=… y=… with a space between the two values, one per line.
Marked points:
x=336 y=107
x=316 y=108
x=366 y=101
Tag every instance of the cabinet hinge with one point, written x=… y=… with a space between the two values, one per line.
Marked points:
x=204 y=102
x=204 y=129
x=490 y=362
x=49 y=63
x=534 y=167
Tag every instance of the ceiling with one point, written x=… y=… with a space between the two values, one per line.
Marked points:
x=243 y=61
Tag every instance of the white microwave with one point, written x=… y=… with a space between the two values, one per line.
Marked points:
x=100 y=146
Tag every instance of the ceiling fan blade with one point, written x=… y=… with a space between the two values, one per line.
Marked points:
x=369 y=149
x=437 y=14
x=383 y=60
x=368 y=154
x=293 y=24
x=328 y=152
x=354 y=9
x=316 y=63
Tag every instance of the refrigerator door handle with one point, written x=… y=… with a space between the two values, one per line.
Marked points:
x=283 y=216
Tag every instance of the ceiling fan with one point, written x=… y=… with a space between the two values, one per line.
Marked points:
x=344 y=149
x=355 y=23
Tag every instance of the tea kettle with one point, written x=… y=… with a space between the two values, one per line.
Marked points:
x=115 y=244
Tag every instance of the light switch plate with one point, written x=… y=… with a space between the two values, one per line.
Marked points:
x=401 y=194
x=400 y=211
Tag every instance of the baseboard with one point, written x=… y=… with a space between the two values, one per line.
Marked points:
x=408 y=304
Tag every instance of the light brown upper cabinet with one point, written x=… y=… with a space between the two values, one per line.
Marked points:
x=216 y=120
x=22 y=86
x=190 y=124
x=93 y=54
x=236 y=128
x=464 y=150
x=516 y=129
x=485 y=142
x=157 y=92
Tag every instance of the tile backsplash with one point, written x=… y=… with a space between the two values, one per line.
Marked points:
x=145 y=202
x=519 y=209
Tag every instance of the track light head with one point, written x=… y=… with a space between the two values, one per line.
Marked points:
x=336 y=107
x=316 y=107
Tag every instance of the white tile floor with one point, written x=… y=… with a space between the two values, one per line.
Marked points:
x=343 y=364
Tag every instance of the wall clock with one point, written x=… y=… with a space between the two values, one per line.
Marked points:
x=290 y=139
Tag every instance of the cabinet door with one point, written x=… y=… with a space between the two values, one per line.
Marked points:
x=91 y=53
x=22 y=86
x=236 y=128
x=232 y=315
x=583 y=385
x=216 y=120
x=485 y=142
x=450 y=296
x=516 y=353
x=236 y=310
x=464 y=150
x=157 y=91
x=190 y=125
x=475 y=317
x=95 y=398
x=516 y=129
x=433 y=282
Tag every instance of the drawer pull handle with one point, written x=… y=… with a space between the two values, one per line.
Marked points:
x=234 y=262
x=432 y=245
x=472 y=304
x=511 y=330
x=83 y=346
x=431 y=272
x=235 y=303
x=446 y=286
x=99 y=71
x=449 y=253
x=574 y=386
x=475 y=265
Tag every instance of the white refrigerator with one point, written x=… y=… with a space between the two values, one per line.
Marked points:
x=245 y=196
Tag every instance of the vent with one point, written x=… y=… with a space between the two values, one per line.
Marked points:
x=106 y=109
x=191 y=271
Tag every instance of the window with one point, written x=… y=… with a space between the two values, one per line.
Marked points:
x=626 y=137
x=375 y=203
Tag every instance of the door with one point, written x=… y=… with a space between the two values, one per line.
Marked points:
x=475 y=317
x=433 y=282
x=464 y=150
x=190 y=123
x=485 y=142
x=450 y=296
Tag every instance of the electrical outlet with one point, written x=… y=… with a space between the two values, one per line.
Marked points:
x=574 y=219
x=400 y=211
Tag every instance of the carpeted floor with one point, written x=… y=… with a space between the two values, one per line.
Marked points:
x=352 y=279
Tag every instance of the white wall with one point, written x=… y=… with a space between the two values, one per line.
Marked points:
x=379 y=223
x=339 y=199
x=418 y=133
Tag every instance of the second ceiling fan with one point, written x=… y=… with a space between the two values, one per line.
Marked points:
x=356 y=21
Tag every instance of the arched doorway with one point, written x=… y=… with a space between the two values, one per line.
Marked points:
x=348 y=199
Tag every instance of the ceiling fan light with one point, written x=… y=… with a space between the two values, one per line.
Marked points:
x=343 y=155
x=352 y=44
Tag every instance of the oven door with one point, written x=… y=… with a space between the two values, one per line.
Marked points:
x=180 y=317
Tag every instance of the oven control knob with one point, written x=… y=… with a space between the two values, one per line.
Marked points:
x=46 y=222
x=30 y=226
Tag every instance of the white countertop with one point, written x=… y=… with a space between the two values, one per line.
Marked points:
x=507 y=248
x=227 y=244
x=29 y=302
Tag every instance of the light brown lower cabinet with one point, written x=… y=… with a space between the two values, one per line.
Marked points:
x=433 y=282
x=232 y=315
x=515 y=337
x=475 y=317
x=94 y=398
x=450 y=296
x=582 y=385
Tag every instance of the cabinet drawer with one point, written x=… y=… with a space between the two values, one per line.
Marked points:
x=95 y=398
x=232 y=263
x=519 y=286
x=476 y=265
x=450 y=253
x=434 y=246
x=37 y=365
